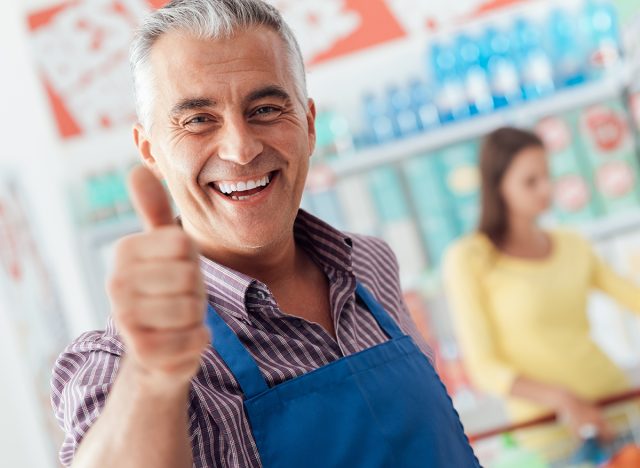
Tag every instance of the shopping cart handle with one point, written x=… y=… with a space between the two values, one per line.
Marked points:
x=552 y=417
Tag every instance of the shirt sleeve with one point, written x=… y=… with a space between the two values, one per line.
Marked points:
x=622 y=290
x=405 y=320
x=81 y=380
x=475 y=335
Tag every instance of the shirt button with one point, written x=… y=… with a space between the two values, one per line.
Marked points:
x=262 y=295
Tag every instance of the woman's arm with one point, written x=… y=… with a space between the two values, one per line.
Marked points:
x=604 y=278
x=577 y=413
x=473 y=329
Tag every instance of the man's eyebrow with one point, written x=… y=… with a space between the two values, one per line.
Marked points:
x=191 y=104
x=272 y=91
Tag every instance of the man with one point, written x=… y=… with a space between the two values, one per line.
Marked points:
x=253 y=334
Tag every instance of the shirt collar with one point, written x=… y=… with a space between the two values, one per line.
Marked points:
x=229 y=290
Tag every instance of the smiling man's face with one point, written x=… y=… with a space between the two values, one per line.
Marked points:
x=230 y=136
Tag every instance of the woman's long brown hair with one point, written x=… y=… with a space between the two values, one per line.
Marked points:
x=498 y=151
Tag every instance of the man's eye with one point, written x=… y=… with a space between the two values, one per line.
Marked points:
x=267 y=111
x=200 y=119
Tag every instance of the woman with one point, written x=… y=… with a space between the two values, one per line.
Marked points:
x=519 y=294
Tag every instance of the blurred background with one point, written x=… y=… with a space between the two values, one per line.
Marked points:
x=405 y=90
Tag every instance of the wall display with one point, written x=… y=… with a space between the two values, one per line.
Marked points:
x=31 y=298
x=81 y=47
x=574 y=193
x=611 y=154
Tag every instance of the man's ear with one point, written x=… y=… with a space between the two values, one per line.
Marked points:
x=143 y=143
x=311 y=123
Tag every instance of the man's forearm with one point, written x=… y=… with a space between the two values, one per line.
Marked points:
x=138 y=427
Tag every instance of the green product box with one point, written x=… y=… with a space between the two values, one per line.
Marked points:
x=575 y=197
x=609 y=149
x=438 y=227
x=388 y=195
x=458 y=169
x=398 y=225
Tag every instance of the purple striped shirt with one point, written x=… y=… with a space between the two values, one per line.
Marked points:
x=283 y=346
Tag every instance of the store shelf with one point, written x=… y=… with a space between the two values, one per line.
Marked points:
x=584 y=95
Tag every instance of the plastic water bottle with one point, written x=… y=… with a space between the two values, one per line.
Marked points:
x=536 y=69
x=379 y=122
x=451 y=96
x=603 y=36
x=405 y=118
x=476 y=80
x=501 y=68
x=423 y=104
x=569 y=58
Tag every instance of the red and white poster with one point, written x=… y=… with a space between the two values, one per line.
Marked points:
x=81 y=52
x=81 y=46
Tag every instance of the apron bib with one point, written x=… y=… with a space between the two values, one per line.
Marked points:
x=381 y=407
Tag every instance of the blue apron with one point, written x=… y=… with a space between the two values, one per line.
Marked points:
x=381 y=407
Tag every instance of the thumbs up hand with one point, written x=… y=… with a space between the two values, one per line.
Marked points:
x=157 y=292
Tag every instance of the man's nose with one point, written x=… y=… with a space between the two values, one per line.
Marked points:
x=238 y=143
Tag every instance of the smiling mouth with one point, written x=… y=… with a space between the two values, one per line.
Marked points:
x=243 y=190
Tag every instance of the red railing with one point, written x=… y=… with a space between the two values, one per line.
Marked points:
x=551 y=417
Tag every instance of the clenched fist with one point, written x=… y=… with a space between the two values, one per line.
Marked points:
x=157 y=292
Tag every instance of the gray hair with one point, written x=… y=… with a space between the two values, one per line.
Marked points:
x=206 y=19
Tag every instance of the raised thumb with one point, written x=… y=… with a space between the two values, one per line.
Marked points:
x=150 y=199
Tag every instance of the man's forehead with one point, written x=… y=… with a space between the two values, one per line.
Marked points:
x=187 y=66
x=256 y=49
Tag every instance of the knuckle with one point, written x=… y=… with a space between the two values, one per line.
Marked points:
x=125 y=246
x=145 y=345
x=117 y=284
x=126 y=316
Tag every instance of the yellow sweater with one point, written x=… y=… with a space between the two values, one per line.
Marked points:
x=529 y=317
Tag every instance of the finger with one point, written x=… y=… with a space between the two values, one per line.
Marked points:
x=167 y=278
x=155 y=278
x=157 y=346
x=175 y=313
x=150 y=199
x=165 y=243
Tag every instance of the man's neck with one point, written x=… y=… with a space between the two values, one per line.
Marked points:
x=272 y=265
x=297 y=282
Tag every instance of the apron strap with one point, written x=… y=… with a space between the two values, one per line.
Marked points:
x=383 y=318
x=242 y=365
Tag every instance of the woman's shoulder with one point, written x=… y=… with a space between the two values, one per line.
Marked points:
x=473 y=249
x=568 y=239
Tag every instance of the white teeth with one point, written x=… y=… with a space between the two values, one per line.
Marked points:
x=230 y=187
